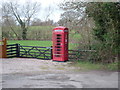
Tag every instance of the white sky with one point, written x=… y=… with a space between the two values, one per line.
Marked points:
x=44 y=4
x=54 y=5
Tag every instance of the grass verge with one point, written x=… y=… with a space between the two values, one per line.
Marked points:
x=93 y=66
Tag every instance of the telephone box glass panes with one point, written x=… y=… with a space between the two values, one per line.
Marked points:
x=58 y=40
x=57 y=55
x=57 y=47
x=58 y=44
x=59 y=35
x=58 y=52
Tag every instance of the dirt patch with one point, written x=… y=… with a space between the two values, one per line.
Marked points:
x=21 y=65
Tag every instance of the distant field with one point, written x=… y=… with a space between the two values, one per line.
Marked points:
x=41 y=28
x=36 y=43
x=43 y=36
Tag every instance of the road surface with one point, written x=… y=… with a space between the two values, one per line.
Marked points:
x=35 y=73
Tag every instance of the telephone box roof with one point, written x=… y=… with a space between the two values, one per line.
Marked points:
x=60 y=27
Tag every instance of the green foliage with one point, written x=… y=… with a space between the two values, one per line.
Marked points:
x=107 y=28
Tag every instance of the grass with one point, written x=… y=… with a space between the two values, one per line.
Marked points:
x=99 y=66
x=31 y=43
x=37 y=43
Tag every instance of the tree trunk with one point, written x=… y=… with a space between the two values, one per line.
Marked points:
x=24 y=33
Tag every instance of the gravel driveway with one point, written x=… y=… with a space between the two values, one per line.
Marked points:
x=35 y=73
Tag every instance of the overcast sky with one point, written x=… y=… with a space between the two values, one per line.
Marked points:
x=45 y=4
x=53 y=4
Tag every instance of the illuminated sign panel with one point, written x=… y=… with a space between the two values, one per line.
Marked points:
x=58 y=30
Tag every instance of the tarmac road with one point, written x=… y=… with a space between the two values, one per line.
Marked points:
x=35 y=73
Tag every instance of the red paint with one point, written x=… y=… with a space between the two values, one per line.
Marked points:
x=60 y=44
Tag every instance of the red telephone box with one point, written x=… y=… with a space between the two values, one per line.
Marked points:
x=60 y=44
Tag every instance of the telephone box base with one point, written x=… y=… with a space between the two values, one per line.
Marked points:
x=60 y=61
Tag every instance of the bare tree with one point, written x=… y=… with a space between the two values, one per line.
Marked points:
x=49 y=10
x=36 y=22
x=23 y=14
x=76 y=18
x=8 y=21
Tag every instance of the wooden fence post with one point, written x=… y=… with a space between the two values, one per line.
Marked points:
x=1 y=43
x=3 y=48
